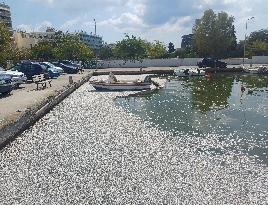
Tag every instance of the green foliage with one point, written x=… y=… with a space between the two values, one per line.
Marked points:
x=63 y=46
x=261 y=35
x=171 y=47
x=156 y=50
x=6 y=50
x=257 y=48
x=214 y=34
x=132 y=48
x=70 y=47
x=257 y=43
x=186 y=53
x=43 y=51
x=105 y=53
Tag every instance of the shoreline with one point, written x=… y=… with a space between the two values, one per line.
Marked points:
x=12 y=127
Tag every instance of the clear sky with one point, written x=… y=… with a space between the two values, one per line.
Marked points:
x=153 y=20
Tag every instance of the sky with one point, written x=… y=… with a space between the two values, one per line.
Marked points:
x=161 y=20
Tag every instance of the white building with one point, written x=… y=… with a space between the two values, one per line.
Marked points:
x=5 y=15
x=93 y=41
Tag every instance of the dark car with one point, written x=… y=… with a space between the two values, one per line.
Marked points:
x=5 y=84
x=70 y=63
x=67 y=68
x=212 y=63
x=30 y=69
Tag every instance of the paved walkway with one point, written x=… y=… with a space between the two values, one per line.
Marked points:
x=15 y=104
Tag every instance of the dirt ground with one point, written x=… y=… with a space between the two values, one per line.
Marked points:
x=26 y=96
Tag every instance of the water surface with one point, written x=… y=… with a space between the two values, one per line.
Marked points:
x=200 y=106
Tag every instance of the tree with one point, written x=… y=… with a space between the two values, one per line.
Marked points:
x=214 y=34
x=261 y=35
x=258 y=48
x=105 y=52
x=257 y=43
x=70 y=47
x=171 y=47
x=43 y=51
x=156 y=50
x=131 y=48
x=6 y=49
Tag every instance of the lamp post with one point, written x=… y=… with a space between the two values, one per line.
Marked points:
x=95 y=27
x=246 y=39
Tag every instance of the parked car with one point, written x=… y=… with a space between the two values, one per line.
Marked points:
x=67 y=68
x=70 y=63
x=50 y=65
x=18 y=78
x=30 y=69
x=212 y=63
x=5 y=84
x=52 y=72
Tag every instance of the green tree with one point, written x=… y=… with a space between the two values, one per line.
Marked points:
x=105 y=53
x=43 y=51
x=171 y=47
x=6 y=49
x=70 y=47
x=257 y=48
x=214 y=34
x=132 y=48
x=261 y=35
x=156 y=50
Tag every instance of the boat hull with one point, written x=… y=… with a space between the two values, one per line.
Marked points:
x=121 y=86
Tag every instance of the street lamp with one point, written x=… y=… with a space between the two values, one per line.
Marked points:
x=95 y=27
x=246 y=39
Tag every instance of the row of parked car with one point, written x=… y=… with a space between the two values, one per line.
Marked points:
x=25 y=70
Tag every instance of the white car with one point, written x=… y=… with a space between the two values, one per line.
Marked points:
x=50 y=65
x=17 y=77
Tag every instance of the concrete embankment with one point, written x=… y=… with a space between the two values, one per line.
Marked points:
x=158 y=70
x=14 y=124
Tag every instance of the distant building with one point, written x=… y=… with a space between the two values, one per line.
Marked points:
x=93 y=41
x=29 y=40
x=5 y=15
x=187 y=41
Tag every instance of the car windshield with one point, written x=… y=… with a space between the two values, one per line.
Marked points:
x=15 y=68
x=48 y=64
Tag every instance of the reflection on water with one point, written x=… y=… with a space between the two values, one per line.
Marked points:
x=218 y=106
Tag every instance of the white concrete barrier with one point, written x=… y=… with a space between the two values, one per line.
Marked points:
x=174 y=62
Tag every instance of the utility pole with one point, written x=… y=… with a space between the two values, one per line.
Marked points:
x=246 y=39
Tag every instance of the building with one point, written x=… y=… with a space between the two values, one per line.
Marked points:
x=28 y=40
x=93 y=41
x=5 y=15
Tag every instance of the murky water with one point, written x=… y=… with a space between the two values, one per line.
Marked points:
x=198 y=106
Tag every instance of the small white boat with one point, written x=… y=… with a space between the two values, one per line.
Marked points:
x=256 y=70
x=251 y=70
x=183 y=72
x=114 y=85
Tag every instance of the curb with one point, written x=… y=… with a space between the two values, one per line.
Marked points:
x=11 y=131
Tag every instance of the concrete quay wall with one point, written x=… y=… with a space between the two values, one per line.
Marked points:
x=11 y=131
